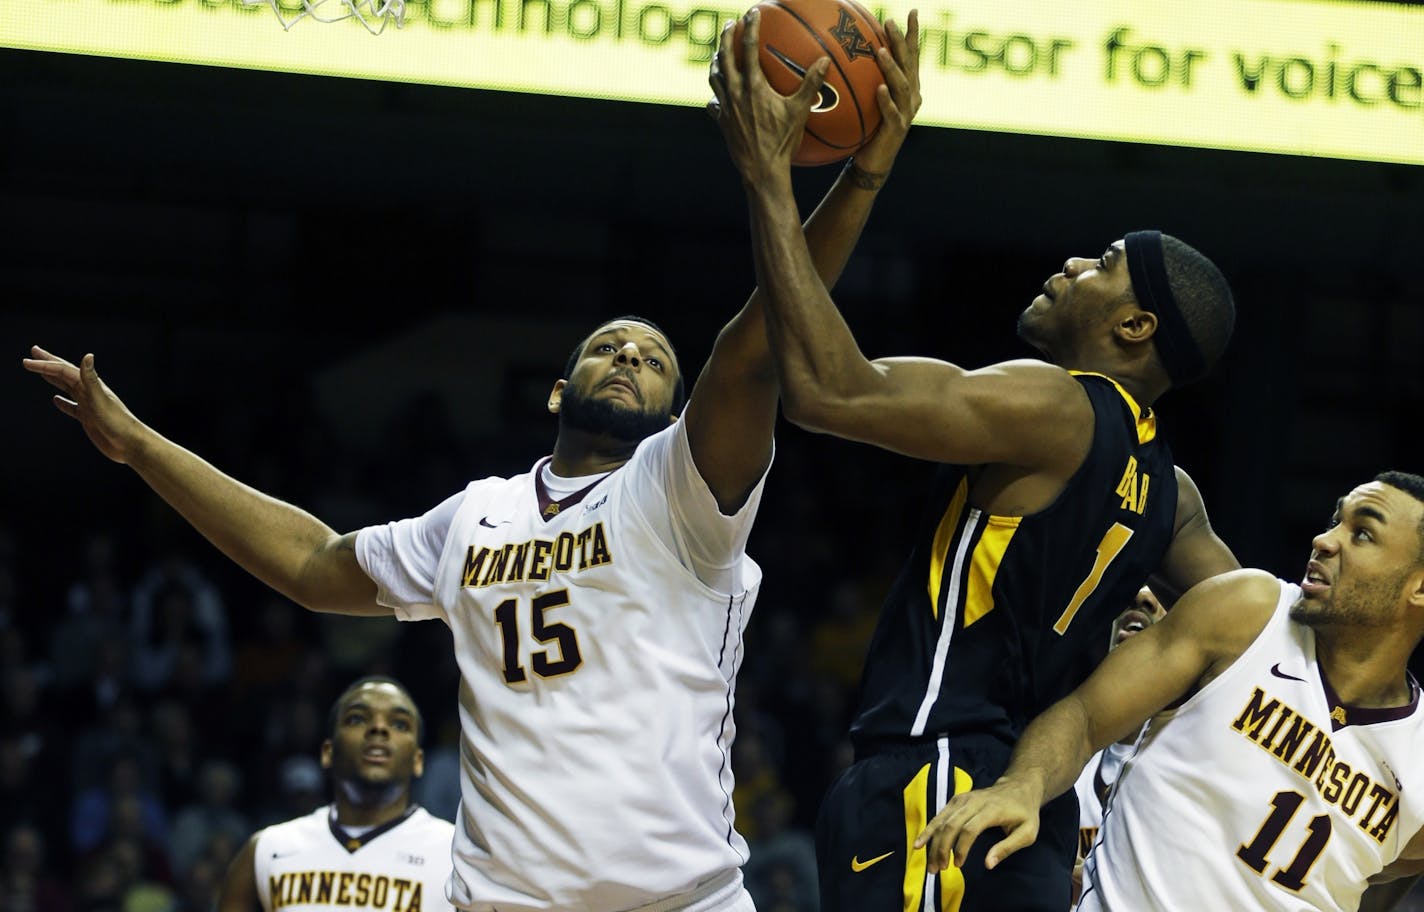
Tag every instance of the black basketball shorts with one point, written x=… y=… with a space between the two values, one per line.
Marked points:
x=872 y=813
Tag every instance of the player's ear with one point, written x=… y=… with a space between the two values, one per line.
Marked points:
x=556 y=396
x=1136 y=326
x=1414 y=589
x=417 y=765
x=326 y=754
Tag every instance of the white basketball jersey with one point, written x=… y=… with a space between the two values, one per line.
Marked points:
x=1261 y=791
x=311 y=864
x=1092 y=790
x=597 y=682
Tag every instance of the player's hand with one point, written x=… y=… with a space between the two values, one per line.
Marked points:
x=88 y=400
x=762 y=127
x=954 y=829
x=899 y=98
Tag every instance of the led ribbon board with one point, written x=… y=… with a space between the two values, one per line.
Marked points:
x=1303 y=77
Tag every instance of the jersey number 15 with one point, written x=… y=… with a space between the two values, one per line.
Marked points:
x=561 y=635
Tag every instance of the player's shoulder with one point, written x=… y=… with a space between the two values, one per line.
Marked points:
x=422 y=828
x=295 y=834
x=481 y=492
x=1228 y=611
x=654 y=452
x=1243 y=586
x=674 y=434
x=1033 y=389
x=490 y=482
x=1030 y=371
x=422 y=818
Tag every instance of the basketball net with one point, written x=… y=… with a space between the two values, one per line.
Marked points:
x=373 y=14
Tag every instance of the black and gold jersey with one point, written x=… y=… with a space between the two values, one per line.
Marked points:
x=994 y=618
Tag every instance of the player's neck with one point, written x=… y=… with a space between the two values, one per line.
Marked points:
x=1143 y=383
x=577 y=453
x=1362 y=669
x=357 y=806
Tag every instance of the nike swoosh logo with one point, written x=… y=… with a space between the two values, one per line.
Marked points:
x=1276 y=670
x=857 y=865
x=826 y=99
x=484 y=521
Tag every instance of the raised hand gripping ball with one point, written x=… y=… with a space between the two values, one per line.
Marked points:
x=797 y=33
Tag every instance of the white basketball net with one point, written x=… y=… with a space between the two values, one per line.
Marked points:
x=373 y=14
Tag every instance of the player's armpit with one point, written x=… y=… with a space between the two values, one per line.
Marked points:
x=1382 y=895
x=1196 y=552
x=1024 y=413
x=1407 y=867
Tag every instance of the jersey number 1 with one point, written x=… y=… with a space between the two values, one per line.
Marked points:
x=506 y=615
x=1111 y=545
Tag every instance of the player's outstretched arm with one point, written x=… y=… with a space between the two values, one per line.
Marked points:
x=239 y=887
x=931 y=409
x=285 y=547
x=1196 y=552
x=1212 y=625
x=733 y=408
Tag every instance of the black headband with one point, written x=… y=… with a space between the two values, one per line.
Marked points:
x=1147 y=268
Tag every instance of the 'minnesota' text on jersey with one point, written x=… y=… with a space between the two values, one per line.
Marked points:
x=311 y=864
x=1262 y=791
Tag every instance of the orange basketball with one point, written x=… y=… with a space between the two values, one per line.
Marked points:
x=797 y=33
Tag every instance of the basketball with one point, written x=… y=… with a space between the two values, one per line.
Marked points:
x=797 y=33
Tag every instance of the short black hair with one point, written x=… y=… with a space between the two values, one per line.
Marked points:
x=679 y=392
x=1203 y=296
x=1411 y=484
x=335 y=712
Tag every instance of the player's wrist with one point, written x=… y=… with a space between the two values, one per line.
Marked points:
x=864 y=178
x=1029 y=789
x=770 y=185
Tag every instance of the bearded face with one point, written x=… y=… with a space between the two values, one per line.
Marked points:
x=610 y=416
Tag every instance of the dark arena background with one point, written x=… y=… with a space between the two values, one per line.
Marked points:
x=355 y=295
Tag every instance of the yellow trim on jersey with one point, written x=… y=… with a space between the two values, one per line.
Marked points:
x=984 y=565
x=1146 y=424
x=951 y=879
x=916 y=819
x=944 y=534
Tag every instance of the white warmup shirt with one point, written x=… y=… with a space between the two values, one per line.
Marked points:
x=311 y=865
x=598 y=639
x=1262 y=791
